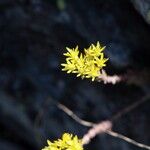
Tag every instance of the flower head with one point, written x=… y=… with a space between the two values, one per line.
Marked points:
x=68 y=142
x=87 y=65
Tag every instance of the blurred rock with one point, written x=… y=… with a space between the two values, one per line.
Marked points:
x=143 y=6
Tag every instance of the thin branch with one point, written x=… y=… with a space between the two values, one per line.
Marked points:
x=73 y=116
x=109 y=79
x=120 y=136
x=130 y=107
x=97 y=129
x=102 y=127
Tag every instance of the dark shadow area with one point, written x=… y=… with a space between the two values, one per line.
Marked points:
x=33 y=37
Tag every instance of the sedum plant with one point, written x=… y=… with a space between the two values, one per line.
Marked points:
x=88 y=64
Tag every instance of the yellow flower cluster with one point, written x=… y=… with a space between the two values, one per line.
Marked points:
x=68 y=142
x=87 y=65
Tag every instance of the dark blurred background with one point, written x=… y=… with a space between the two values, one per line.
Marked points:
x=33 y=37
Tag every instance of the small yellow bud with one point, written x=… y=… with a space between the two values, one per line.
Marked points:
x=87 y=65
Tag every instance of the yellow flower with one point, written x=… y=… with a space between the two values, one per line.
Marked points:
x=72 y=54
x=68 y=142
x=69 y=66
x=87 y=65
